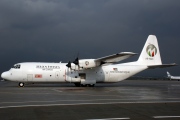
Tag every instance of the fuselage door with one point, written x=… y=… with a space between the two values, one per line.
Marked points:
x=106 y=75
x=29 y=77
x=57 y=74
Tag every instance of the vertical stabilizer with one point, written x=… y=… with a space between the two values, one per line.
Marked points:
x=168 y=74
x=150 y=54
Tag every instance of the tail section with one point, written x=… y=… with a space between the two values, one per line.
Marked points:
x=150 y=54
x=168 y=74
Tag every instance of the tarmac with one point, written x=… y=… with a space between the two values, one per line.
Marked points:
x=129 y=99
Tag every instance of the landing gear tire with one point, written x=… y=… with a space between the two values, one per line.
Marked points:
x=77 y=84
x=91 y=85
x=83 y=85
x=87 y=85
x=21 y=84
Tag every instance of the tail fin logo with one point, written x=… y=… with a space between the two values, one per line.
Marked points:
x=151 y=50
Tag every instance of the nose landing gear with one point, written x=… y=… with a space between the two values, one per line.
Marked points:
x=21 y=84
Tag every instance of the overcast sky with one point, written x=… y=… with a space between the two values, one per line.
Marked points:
x=56 y=30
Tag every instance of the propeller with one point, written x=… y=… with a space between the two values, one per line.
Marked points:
x=76 y=61
x=69 y=64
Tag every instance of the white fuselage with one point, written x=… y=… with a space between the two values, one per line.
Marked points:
x=58 y=72
x=174 y=77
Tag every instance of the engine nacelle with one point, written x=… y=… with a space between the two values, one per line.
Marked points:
x=75 y=67
x=88 y=63
x=83 y=64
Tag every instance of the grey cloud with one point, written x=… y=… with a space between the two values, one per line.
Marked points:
x=55 y=30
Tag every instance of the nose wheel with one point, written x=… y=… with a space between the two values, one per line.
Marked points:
x=21 y=84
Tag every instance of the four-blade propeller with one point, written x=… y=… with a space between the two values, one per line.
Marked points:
x=76 y=62
x=69 y=64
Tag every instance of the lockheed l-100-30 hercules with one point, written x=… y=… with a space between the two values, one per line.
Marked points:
x=88 y=72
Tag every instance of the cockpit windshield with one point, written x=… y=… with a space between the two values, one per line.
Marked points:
x=17 y=66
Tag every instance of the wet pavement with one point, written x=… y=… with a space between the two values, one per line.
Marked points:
x=129 y=99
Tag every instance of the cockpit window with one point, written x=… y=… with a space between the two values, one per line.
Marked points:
x=17 y=66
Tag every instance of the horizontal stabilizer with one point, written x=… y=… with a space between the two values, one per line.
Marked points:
x=161 y=66
x=115 y=57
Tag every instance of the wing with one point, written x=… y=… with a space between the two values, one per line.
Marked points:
x=115 y=57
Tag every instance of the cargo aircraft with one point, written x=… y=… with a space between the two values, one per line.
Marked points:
x=173 y=77
x=88 y=72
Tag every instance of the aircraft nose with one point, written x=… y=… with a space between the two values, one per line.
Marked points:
x=5 y=75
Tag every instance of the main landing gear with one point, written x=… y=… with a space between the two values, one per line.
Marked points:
x=86 y=85
x=21 y=84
